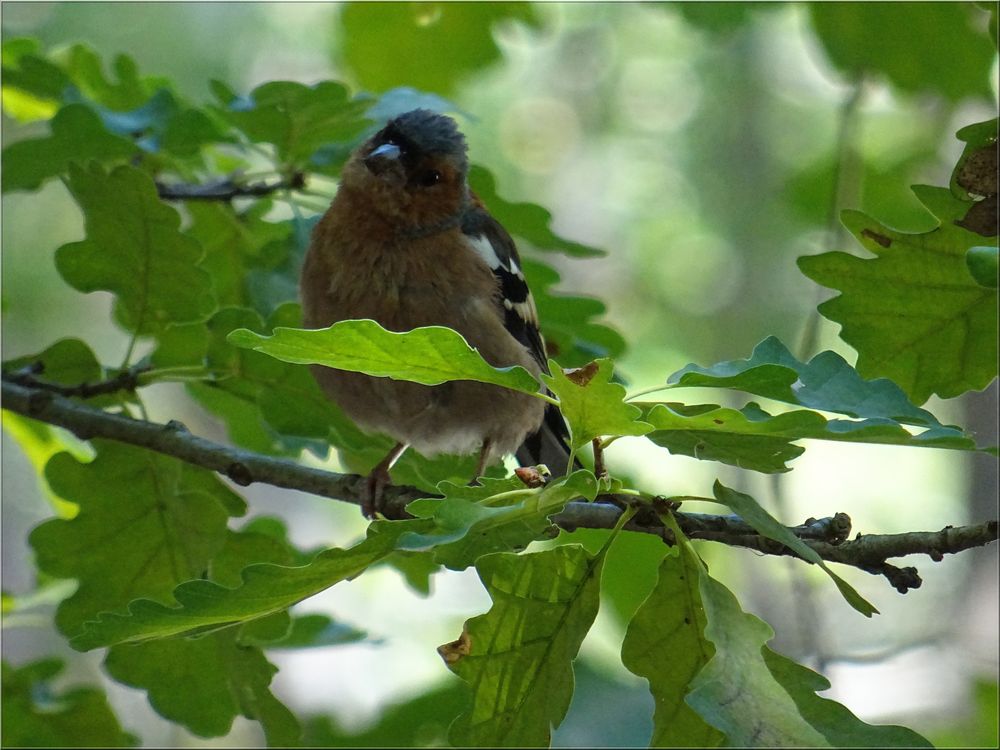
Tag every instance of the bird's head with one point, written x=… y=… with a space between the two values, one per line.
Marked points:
x=413 y=171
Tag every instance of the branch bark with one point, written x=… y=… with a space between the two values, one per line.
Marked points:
x=826 y=535
x=227 y=189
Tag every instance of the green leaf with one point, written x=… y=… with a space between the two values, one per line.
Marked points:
x=711 y=433
x=205 y=683
x=925 y=47
x=827 y=383
x=664 y=644
x=305 y=631
x=571 y=334
x=593 y=405
x=982 y=262
x=735 y=691
x=526 y=220
x=296 y=118
x=268 y=406
x=379 y=42
x=835 y=721
x=429 y=355
x=518 y=656
x=77 y=135
x=236 y=242
x=751 y=438
x=87 y=71
x=914 y=313
x=766 y=525
x=146 y=522
x=499 y=515
x=34 y=715
x=265 y=589
x=134 y=249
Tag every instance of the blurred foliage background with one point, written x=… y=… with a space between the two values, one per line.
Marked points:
x=704 y=146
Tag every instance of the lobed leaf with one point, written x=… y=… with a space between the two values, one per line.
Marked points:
x=134 y=249
x=518 y=656
x=146 y=522
x=665 y=644
x=751 y=438
x=77 y=134
x=205 y=683
x=914 y=313
x=593 y=405
x=205 y=606
x=827 y=383
x=430 y=355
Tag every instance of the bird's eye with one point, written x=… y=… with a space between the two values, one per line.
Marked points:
x=430 y=177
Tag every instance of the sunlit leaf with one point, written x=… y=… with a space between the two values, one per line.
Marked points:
x=593 y=405
x=430 y=355
x=914 y=313
x=499 y=515
x=518 y=656
x=665 y=644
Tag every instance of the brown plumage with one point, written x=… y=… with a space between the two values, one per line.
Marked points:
x=405 y=243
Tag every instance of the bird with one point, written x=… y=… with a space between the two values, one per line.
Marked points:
x=407 y=243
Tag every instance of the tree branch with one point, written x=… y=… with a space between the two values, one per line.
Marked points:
x=226 y=189
x=826 y=535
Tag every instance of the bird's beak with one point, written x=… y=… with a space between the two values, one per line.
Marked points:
x=383 y=158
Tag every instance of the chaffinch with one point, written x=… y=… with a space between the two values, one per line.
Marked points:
x=406 y=243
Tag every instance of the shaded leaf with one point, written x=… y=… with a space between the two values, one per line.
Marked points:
x=751 y=438
x=77 y=134
x=664 y=644
x=304 y=631
x=205 y=683
x=835 y=721
x=982 y=262
x=596 y=407
x=34 y=715
x=914 y=313
x=827 y=383
x=206 y=606
x=146 y=521
x=380 y=41
x=429 y=355
x=296 y=118
x=931 y=46
x=134 y=249
x=750 y=511
x=518 y=656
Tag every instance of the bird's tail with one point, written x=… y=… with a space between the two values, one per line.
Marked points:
x=548 y=445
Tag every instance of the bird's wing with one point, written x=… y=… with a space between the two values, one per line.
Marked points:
x=491 y=241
